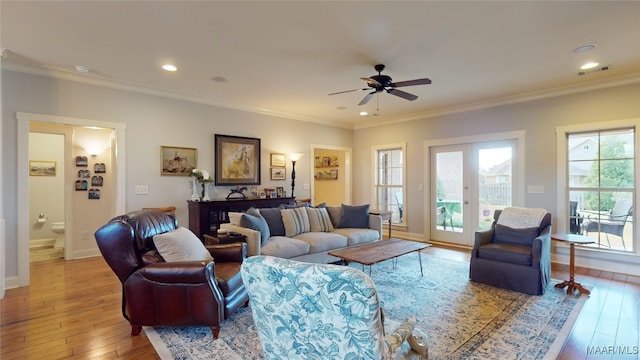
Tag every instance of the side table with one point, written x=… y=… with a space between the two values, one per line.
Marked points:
x=223 y=239
x=572 y=239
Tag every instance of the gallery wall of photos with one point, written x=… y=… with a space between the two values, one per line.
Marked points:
x=88 y=181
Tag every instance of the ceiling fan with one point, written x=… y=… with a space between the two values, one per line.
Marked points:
x=380 y=83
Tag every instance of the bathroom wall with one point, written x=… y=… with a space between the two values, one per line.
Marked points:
x=46 y=192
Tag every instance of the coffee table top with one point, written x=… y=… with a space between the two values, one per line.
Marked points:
x=378 y=251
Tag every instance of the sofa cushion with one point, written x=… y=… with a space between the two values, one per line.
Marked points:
x=284 y=247
x=295 y=221
x=181 y=245
x=354 y=216
x=357 y=236
x=507 y=253
x=322 y=241
x=274 y=220
x=507 y=235
x=319 y=220
x=253 y=220
x=334 y=215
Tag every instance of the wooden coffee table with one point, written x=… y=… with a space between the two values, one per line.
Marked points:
x=379 y=251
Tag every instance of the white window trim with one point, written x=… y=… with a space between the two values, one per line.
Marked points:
x=626 y=263
x=374 y=167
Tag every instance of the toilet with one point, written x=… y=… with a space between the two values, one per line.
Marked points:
x=58 y=228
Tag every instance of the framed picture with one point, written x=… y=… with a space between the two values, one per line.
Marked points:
x=326 y=161
x=82 y=161
x=333 y=174
x=278 y=174
x=177 y=160
x=237 y=160
x=279 y=160
x=42 y=168
x=279 y=191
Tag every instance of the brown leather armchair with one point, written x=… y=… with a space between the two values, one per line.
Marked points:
x=159 y=293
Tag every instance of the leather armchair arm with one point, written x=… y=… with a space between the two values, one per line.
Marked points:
x=187 y=272
x=236 y=252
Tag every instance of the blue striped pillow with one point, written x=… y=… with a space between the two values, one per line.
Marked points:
x=295 y=221
x=319 y=219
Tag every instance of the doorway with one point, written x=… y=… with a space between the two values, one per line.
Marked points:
x=78 y=243
x=469 y=179
x=330 y=174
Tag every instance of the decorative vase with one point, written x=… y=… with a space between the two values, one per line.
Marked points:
x=194 y=195
x=205 y=192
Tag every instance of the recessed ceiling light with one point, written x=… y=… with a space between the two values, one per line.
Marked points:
x=169 y=67
x=363 y=113
x=589 y=65
x=82 y=69
x=585 y=47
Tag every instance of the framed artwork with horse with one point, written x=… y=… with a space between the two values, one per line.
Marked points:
x=237 y=160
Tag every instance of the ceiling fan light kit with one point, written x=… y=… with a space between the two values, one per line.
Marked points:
x=383 y=83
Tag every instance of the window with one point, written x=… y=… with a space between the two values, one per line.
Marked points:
x=601 y=186
x=389 y=180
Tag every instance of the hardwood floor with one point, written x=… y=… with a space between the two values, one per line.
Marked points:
x=72 y=310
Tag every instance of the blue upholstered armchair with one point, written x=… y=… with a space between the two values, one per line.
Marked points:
x=318 y=311
x=515 y=253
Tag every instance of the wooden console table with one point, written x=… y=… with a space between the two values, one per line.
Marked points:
x=205 y=217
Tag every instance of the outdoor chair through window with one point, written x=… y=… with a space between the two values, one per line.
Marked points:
x=612 y=222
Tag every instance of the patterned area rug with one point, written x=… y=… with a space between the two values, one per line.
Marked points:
x=464 y=320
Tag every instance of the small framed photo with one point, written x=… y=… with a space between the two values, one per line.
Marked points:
x=279 y=160
x=279 y=191
x=278 y=173
x=42 y=168
x=177 y=160
x=326 y=161
x=333 y=174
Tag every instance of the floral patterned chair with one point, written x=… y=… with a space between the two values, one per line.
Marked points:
x=322 y=311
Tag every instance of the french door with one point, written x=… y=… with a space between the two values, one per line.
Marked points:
x=468 y=183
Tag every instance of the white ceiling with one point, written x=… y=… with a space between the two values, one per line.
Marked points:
x=284 y=58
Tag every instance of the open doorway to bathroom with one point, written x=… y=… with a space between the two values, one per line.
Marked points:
x=46 y=194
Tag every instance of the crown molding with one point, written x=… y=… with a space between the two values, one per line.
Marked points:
x=456 y=109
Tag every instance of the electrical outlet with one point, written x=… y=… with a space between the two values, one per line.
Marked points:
x=85 y=235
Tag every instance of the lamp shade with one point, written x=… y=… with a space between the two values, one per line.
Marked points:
x=295 y=156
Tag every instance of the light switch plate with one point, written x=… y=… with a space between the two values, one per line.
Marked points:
x=142 y=189
x=535 y=189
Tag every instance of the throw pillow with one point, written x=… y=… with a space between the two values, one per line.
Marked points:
x=319 y=219
x=253 y=220
x=506 y=234
x=295 y=221
x=181 y=245
x=274 y=220
x=354 y=216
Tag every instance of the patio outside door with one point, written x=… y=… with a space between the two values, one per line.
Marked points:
x=469 y=182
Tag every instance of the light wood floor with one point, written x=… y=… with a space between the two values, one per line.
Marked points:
x=72 y=310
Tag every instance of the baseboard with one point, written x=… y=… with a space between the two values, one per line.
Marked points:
x=81 y=254
x=41 y=243
x=11 y=282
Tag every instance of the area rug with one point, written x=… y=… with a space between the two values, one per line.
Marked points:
x=463 y=320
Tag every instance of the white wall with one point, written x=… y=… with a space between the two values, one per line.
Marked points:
x=151 y=121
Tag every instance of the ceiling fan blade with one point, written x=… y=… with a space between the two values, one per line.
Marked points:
x=371 y=82
x=424 y=81
x=402 y=94
x=367 y=98
x=347 y=91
